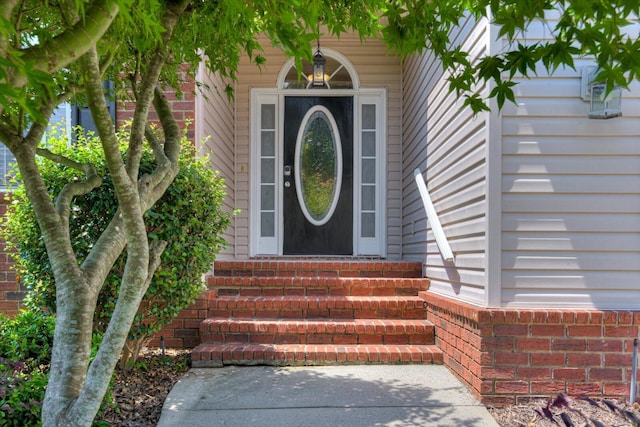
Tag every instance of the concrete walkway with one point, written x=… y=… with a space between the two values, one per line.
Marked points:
x=371 y=395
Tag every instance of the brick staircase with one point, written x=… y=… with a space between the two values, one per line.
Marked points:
x=304 y=312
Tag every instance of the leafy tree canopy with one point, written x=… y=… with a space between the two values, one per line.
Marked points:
x=39 y=41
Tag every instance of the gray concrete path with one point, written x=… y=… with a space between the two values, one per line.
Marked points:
x=372 y=395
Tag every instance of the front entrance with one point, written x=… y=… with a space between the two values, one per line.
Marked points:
x=318 y=175
x=317 y=171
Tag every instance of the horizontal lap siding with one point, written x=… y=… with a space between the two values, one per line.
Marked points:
x=215 y=137
x=571 y=198
x=376 y=69
x=449 y=145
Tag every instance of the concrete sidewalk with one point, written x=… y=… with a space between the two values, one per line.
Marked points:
x=371 y=395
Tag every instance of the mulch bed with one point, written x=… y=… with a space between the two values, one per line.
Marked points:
x=138 y=394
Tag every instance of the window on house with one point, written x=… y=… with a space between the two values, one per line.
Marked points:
x=66 y=115
x=6 y=160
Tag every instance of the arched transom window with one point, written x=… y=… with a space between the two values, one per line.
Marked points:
x=339 y=73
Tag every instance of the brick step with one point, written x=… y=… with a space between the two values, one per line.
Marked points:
x=211 y=355
x=330 y=331
x=316 y=286
x=301 y=267
x=303 y=307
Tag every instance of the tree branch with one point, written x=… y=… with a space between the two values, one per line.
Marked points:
x=136 y=267
x=72 y=189
x=9 y=138
x=70 y=45
x=6 y=11
x=156 y=248
x=153 y=186
x=145 y=96
x=155 y=144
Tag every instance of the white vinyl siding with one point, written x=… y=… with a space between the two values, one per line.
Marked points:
x=449 y=145
x=215 y=138
x=571 y=197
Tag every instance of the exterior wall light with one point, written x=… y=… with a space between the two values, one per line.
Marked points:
x=603 y=105
x=319 y=63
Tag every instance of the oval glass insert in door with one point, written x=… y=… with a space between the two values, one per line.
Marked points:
x=318 y=165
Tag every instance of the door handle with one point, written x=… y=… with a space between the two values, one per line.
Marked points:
x=287 y=170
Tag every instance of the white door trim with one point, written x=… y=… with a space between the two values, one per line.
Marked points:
x=265 y=245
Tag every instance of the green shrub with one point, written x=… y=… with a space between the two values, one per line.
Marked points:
x=188 y=217
x=25 y=352
x=27 y=337
x=21 y=394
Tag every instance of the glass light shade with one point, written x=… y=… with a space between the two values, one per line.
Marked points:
x=605 y=105
x=318 y=69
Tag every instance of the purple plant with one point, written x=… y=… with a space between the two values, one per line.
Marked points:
x=560 y=407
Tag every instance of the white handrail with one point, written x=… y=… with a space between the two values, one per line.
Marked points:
x=432 y=216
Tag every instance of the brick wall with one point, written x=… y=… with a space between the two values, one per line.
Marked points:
x=184 y=330
x=11 y=293
x=506 y=356
x=183 y=109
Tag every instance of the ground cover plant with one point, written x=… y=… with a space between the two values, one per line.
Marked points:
x=25 y=353
x=563 y=410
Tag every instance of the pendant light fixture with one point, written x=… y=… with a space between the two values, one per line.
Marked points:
x=319 y=63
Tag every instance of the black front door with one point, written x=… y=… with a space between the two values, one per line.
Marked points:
x=318 y=176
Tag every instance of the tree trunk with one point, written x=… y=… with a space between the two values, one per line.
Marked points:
x=76 y=389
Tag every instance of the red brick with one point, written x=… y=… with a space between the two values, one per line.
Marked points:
x=568 y=317
x=584 y=331
x=533 y=344
x=497 y=343
x=616 y=389
x=569 y=344
x=604 y=345
x=498 y=401
x=519 y=358
x=497 y=315
x=510 y=330
x=7 y=306
x=597 y=317
x=589 y=389
x=525 y=373
x=621 y=331
x=582 y=317
x=503 y=373
x=547 y=387
x=539 y=317
x=9 y=287
x=547 y=359
x=173 y=342
x=625 y=318
x=486 y=387
x=547 y=330
x=621 y=360
x=610 y=317
x=569 y=374
x=512 y=387
x=583 y=359
x=605 y=374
